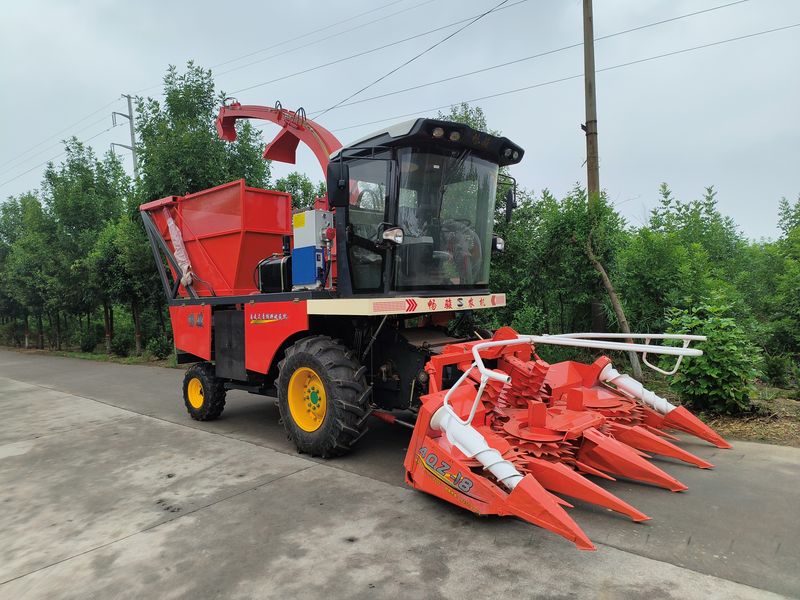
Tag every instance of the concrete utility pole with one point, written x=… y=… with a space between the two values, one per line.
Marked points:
x=593 y=187
x=592 y=160
x=132 y=147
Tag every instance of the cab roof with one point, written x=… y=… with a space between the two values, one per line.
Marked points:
x=439 y=134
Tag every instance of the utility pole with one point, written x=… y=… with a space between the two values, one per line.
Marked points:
x=593 y=186
x=592 y=160
x=132 y=147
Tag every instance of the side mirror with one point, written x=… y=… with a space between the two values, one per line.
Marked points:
x=511 y=203
x=394 y=235
x=338 y=182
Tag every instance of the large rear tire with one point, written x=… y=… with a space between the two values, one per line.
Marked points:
x=323 y=396
x=203 y=392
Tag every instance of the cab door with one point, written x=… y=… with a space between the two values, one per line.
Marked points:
x=370 y=185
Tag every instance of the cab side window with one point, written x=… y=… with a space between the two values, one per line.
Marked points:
x=369 y=188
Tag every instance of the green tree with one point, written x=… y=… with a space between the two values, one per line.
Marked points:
x=699 y=221
x=82 y=194
x=468 y=115
x=178 y=147
x=786 y=312
x=107 y=276
x=656 y=271
x=11 y=228
x=30 y=276
x=302 y=189
x=140 y=284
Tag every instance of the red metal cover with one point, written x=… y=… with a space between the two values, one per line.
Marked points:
x=191 y=327
x=266 y=326
x=226 y=230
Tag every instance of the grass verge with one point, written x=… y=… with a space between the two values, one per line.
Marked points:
x=144 y=359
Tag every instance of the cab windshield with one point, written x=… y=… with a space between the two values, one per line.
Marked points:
x=446 y=209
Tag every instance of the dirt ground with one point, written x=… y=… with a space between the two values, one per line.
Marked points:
x=774 y=417
x=776 y=421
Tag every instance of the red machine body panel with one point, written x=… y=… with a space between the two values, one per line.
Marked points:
x=266 y=326
x=226 y=231
x=191 y=327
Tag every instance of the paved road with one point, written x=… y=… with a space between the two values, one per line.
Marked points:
x=108 y=489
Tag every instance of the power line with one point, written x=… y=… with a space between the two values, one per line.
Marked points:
x=579 y=75
x=49 y=148
x=346 y=58
x=312 y=43
x=79 y=121
x=365 y=52
x=490 y=96
x=59 y=155
x=534 y=56
x=323 y=39
x=295 y=38
x=415 y=57
x=16 y=162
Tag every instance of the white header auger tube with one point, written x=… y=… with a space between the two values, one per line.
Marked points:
x=628 y=385
x=474 y=445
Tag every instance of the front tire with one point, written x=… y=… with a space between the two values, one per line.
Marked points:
x=203 y=392
x=323 y=396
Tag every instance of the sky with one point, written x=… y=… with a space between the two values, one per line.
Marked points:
x=725 y=115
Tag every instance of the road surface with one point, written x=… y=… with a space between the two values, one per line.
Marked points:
x=109 y=490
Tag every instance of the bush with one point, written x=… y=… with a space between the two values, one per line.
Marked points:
x=529 y=319
x=88 y=342
x=721 y=380
x=776 y=369
x=9 y=334
x=121 y=344
x=159 y=346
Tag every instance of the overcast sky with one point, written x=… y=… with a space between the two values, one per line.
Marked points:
x=725 y=116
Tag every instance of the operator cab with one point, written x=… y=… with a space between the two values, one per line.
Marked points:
x=415 y=208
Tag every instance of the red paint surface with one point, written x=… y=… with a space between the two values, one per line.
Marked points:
x=227 y=230
x=191 y=328
x=266 y=326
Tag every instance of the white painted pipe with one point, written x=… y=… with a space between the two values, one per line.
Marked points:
x=634 y=336
x=597 y=344
x=467 y=439
x=634 y=388
x=685 y=338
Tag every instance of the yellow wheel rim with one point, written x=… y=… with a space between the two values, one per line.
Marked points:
x=194 y=391
x=308 y=402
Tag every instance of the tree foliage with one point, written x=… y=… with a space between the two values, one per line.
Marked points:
x=721 y=380
x=77 y=247
x=75 y=265
x=178 y=146
x=302 y=189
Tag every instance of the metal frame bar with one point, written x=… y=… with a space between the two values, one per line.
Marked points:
x=555 y=340
x=158 y=243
